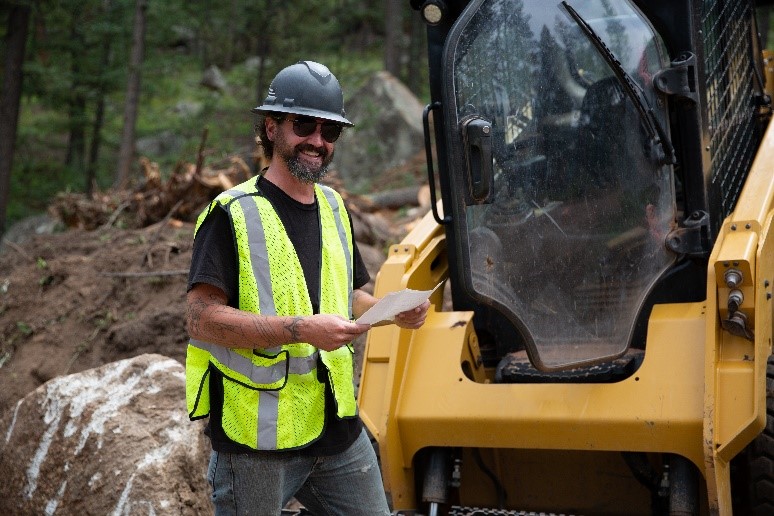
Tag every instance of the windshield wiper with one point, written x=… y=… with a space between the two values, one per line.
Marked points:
x=658 y=138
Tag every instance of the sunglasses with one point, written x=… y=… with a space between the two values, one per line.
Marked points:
x=303 y=126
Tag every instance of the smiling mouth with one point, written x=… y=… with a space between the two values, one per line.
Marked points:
x=311 y=153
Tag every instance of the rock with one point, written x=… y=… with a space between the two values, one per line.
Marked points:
x=111 y=440
x=161 y=144
x=213 y=79
x=387 y=133
x=187 y=109
x=24 y=229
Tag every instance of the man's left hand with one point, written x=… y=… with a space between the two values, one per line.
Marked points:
x=414 y=318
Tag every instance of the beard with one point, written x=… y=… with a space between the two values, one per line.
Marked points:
x=298 y=168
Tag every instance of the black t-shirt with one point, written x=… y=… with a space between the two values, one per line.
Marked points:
x=214 y=261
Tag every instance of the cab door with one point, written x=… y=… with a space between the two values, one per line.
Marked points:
x=558 y=208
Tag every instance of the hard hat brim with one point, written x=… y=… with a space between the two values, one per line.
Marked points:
x=297 y=110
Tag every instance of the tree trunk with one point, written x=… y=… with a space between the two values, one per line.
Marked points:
x=126 y=152
x=99 y=115
x=392 y=36
x=231 y=36
x=264 y=46
x=417 y=49
x=77 y=101
x=96 y=142
x=15 y=43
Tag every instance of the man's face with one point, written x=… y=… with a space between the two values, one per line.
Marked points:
x=308 y=158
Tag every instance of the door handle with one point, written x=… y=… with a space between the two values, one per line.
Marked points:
x=430 y=173
x=477 y=138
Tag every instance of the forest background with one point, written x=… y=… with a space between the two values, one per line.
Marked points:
x=85 y=80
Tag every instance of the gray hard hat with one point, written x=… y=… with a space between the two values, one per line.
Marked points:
x=306 y=88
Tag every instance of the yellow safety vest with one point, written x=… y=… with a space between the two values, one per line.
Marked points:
x=272 y=398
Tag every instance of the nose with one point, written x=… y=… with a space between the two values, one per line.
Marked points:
x=316 y=136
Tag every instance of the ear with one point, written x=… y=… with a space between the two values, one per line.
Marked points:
x=272 y=126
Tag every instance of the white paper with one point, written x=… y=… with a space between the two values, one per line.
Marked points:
x=394 y=303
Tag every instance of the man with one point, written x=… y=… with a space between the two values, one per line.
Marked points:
x=274 y=287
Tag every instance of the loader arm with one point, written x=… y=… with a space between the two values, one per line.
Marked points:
x=419 y=262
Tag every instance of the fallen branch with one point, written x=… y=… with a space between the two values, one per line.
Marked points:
x=395 y=199
x=147 y=257
x=18 y=249
x=116 y=213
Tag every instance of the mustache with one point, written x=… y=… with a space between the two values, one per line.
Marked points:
x=309 y=147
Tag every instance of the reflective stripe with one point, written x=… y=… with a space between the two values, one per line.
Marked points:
x=259 y=375
x=259 y=254
x=334 y=202
x=268 y=410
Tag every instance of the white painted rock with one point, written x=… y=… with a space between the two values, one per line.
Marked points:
x=114 y=440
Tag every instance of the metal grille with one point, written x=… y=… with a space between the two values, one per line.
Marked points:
x=729 y=84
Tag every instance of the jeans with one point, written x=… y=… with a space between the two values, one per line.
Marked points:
x=262 y=483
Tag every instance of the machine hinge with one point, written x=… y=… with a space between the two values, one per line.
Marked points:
x=692 y=237
x=679 y=79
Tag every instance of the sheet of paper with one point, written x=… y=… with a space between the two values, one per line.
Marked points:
x=394 y=303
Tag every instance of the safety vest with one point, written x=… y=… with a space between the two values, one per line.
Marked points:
x=272 y=397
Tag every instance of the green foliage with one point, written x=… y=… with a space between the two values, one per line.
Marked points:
x=77 y=56
x=24 y=328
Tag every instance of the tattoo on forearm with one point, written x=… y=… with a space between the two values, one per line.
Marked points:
x=293 y=328
x=267 y=334
x=224 y=330
x=210 y=319
x=193 y=315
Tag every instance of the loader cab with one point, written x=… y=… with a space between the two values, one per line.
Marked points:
x=577 y=189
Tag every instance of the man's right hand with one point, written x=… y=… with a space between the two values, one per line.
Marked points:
x=326 y=332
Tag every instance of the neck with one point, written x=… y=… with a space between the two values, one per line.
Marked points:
x=296 y=189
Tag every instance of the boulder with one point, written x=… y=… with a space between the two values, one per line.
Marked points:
x=23 y=229
x=213 y=79
x=111 y=440
x=161 y=144
x=387 y=133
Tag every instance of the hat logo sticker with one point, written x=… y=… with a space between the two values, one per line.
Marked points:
x=319 y=71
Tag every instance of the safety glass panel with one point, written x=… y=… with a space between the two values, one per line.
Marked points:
x=566 y=238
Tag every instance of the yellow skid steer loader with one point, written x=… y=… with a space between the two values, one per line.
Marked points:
x=603 y=192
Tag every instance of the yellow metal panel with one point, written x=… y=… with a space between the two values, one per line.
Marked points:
x=735 y=368
x=417 y=262
x=659 y=408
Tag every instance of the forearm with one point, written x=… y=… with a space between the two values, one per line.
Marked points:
x=209 y=319
x=361 y=302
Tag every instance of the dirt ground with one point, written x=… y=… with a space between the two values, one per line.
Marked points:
x=79 y=299
x=76 y=300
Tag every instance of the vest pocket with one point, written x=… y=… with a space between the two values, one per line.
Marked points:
x=269 y=372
